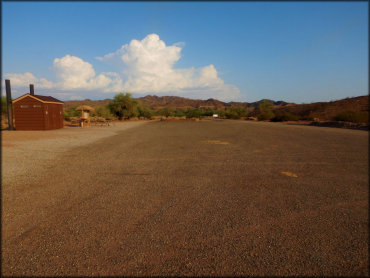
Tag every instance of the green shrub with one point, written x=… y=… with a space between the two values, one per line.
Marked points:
x=192 y=113
x=71 y=112
x=220 y=113
x=144 y=111
x=236 y=112
x=309 y=117
x=207 y=112
x=284 y=116
x=354 y=117
x=265 y=115
x=103 y=112
x=166 y=112
x=264 y=111
x=178 y=113
x=123 y=106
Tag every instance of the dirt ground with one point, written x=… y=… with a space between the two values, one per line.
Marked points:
x=30 y=151
x=204 y=198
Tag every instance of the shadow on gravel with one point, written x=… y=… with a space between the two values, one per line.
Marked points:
x=341 y=125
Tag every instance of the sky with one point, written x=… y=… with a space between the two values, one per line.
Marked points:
x=298 y=52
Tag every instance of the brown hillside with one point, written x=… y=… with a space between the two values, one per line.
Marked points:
x=89 y=102
x=328 y=110
x=174 y=102
x=321 y=110
x=183 y=103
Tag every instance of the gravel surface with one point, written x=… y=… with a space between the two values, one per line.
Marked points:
x=194 y=198
x=29 y=152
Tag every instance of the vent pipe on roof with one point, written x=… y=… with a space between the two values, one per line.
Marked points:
x=9 y=104
x=32 y=93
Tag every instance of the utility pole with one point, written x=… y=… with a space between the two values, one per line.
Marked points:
x=9 y=104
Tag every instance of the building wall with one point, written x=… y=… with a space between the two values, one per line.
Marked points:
x=54 y=116
x=29 y=114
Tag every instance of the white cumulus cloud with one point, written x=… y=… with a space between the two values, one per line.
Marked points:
x=144 y=67
x=24 y=79
x=148 y=66
x=74 y=73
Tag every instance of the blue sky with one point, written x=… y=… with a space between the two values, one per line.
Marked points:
x=233 y=51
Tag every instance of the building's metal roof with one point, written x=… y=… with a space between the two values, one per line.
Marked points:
x=45 y=99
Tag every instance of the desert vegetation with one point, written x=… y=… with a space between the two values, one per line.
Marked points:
x=4 y=107
x=353 y=116
x=124 y=107
x=4 y=112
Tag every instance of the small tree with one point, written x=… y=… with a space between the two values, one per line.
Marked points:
x=264 y=110
x=220 y=113
x=71 y=112
x=207 y=112
x=102 y=111
x=281 y=116
x=144 y=111
x=193 y=113
x=178 y=113
x=123 y=106
x=166 y=111
x=236 y=112
x=353 y=116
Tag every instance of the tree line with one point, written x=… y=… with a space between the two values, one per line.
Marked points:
x=124 y=107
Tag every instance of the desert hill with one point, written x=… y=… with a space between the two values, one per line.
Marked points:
x=93 y=103
x=322 y=110
x=174 y=102
x=328 y=110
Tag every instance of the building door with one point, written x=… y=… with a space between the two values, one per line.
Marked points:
x=46 y=117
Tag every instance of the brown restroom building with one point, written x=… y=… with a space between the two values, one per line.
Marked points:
x=35 y=112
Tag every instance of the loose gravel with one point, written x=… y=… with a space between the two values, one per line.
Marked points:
x=207 y=198
x=27 y=153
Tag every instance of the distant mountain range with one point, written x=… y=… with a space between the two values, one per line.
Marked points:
x=323 y=110
x=156 y=102
x=174 y=102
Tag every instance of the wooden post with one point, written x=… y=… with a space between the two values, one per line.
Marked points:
x=9 y=104
x=32 y=92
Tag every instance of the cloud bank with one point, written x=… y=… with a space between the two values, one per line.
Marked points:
x=143 y=67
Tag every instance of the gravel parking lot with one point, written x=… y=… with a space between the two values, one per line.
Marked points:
x=217 y=197
x=32 y=151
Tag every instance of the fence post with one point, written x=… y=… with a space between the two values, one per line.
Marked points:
x=9 y=104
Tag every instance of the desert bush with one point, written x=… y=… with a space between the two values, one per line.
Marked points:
x=102 y=112
x=265 y=115
x=231 y=114
x=352 y=116
x=236 y=112
x=207 y=112
x=282 y=116
x=308 y=117
x=192 y=113
x=220 y=113
x=264 y=111
x=71 y=112
x=144 y=111
x=166 y=112
x=178 y=113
